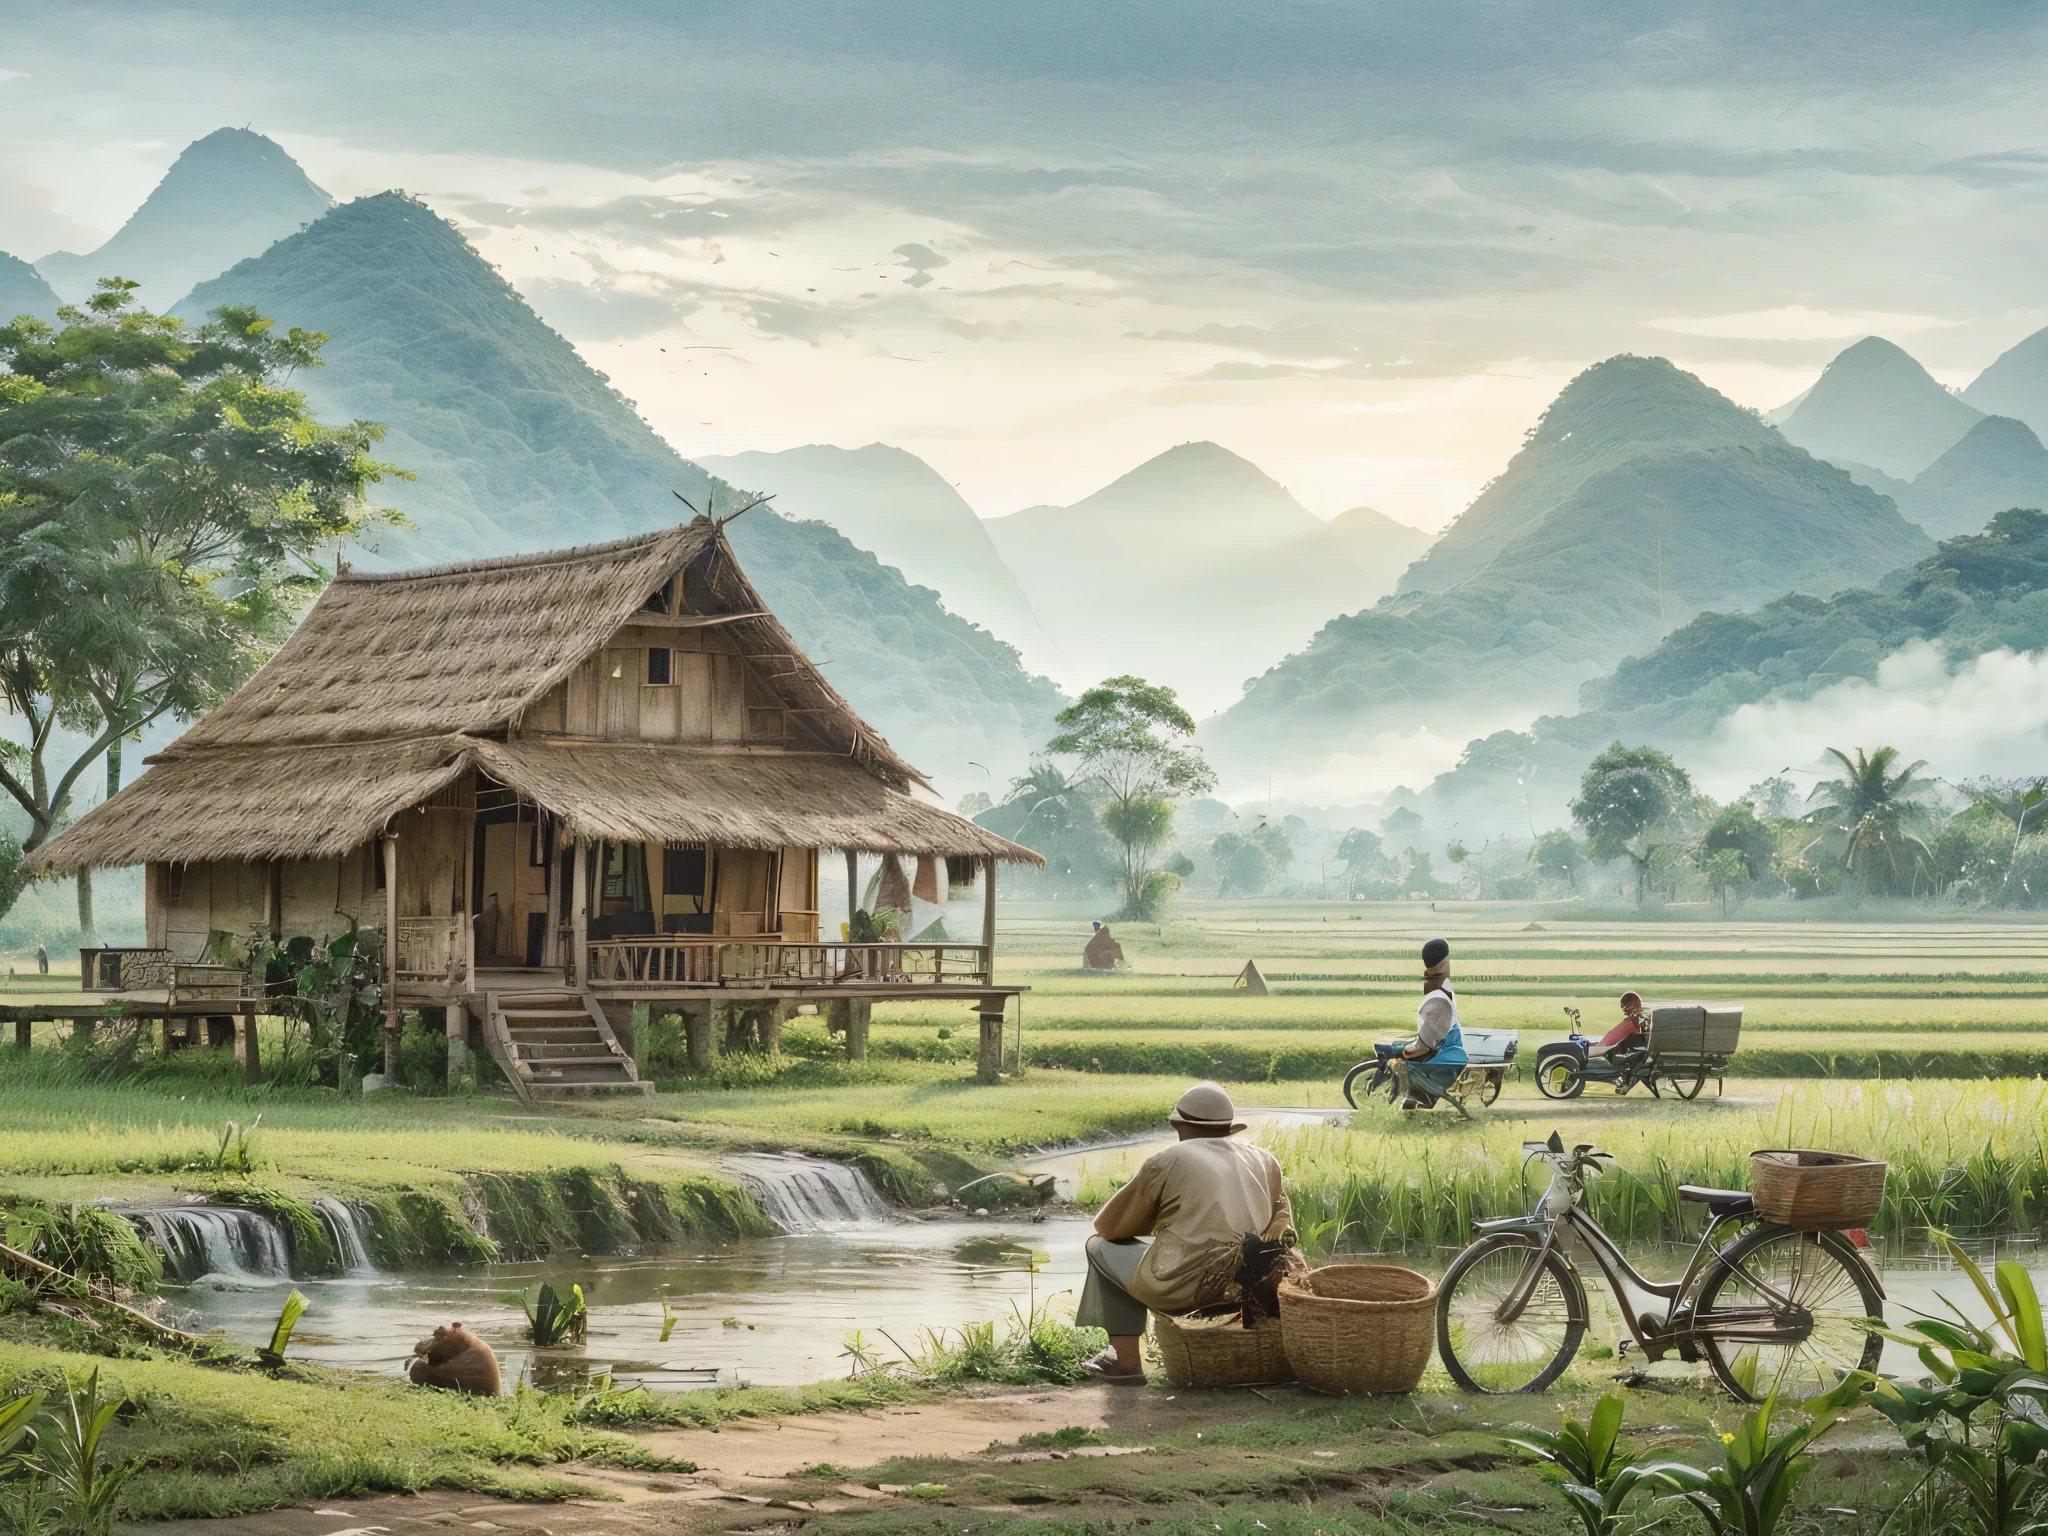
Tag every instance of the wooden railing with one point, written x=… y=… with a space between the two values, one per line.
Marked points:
x=436 y=948
x=695 y=961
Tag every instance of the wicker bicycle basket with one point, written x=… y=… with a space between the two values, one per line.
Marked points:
x=1816 y=1191
x=1219 y=1351
x=1359 y=1327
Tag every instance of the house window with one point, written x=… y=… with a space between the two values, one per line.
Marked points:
x=174 y=884
x=682 y=871
x=659 y=665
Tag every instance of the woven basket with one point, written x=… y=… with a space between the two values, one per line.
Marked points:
x=1359 y=1327
x=1220 y=1351
x=1816 y=1191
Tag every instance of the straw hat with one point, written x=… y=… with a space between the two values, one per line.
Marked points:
x=1205 y=1107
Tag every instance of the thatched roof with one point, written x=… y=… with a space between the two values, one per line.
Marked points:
x=262 y=803
x=319 y=802
x=733 y=798
x=465 y=649
x=395 y=684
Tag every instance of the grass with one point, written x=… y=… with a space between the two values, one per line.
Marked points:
x=1968 y=1157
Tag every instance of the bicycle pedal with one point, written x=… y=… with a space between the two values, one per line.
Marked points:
x=1634 y=1378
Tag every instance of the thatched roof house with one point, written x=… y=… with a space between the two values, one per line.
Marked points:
x=397 y=685
x=511 y=763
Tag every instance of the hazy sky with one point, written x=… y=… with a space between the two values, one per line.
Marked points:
x=1360 y=244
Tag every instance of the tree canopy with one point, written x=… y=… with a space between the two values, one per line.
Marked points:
x=1131 y=737
x=164 y=501
x=1628 y=798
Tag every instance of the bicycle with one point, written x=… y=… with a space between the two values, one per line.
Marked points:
x=1775 y=1306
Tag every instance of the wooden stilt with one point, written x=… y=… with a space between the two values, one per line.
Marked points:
x=394 y=1058
x=989 y=1068
x=852 y=887
x=988 y=920
x=579 y=907
x=252 y=1054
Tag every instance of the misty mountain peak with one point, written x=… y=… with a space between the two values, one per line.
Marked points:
x=1874 y=404
x=228 y=196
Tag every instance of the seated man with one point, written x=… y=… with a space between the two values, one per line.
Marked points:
x=1625 y=1043
x=1431 y=1062
x=1196 y=1200
x=1103 y=952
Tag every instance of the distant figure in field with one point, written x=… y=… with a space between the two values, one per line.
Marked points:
x=456 y=1359
x=42 y=961
x=1103 y=952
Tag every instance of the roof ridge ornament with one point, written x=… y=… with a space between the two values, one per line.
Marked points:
x=753 y=501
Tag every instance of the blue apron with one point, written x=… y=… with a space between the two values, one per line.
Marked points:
x=1441 y=1067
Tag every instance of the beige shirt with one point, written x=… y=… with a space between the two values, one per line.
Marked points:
x=1194 y=1200
x=1434 y=1018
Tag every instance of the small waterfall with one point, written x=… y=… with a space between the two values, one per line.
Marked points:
x=200 y=1240
x=809 y=1194
x=343 y=1225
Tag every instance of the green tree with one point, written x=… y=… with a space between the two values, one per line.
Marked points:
x=1875 y=814
x=1726 y=870
x=1131 y=738
x=1556 y=855
x=1736 y=829
x=1056 y=816
x=1629 y=799
x=1248 y=861
x=1365 y=858
x=163 y=497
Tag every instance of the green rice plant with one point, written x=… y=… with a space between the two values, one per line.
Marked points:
x=288 y=1317
x=1968 y=1156
x=554 y=1319
x=668 y=1318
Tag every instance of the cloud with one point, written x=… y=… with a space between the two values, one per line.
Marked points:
x=1987 y=716
x=1795 y=322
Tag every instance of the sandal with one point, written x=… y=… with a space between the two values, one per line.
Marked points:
x=1103 y=1367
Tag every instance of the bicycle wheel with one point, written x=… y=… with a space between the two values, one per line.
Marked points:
x=1484 y=1353
x=1490 y=1089
x=1558 y=1077
x=1689 y=1088
x=1814 y=1288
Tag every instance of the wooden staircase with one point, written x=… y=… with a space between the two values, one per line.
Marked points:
x=557 y=1045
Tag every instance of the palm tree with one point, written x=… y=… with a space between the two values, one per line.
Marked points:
x=1877 y=811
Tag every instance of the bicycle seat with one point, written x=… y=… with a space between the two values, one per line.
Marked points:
x=1719 y=1202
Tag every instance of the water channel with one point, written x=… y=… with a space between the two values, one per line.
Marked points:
x=763 y=1311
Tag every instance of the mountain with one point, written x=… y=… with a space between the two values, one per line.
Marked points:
x=2016 y=384
x=898 y=506
x=519 y=445
x=1379 y=546
x=1998 y=464
x=1641 y=498
x=1875 y=405
x=1195 y=570
x=1974 y=594
x=23 y=291
x=229 y=195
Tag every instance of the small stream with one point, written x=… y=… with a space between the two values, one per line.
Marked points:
x=761 y=1311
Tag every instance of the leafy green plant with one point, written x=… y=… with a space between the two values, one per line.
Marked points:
x=1983 y=1429
x=1748 y=1494
x=84 y=1484
x=554 y=1319
x=1591 y=1469
x=668 y=1318
x=287 y=1319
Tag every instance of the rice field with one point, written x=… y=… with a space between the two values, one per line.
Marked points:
x=1821 y=999
x=1967 y=1157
